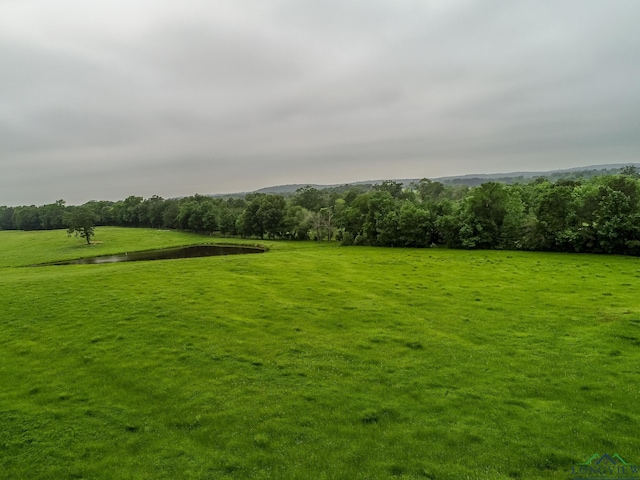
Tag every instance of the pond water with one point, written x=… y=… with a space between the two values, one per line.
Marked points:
x=191 y=251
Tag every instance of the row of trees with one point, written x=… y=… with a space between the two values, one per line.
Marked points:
x=598 y=215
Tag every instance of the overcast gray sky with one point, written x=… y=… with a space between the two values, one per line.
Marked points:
x=101 y=100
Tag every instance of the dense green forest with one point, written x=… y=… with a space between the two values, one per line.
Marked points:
x=596 y=215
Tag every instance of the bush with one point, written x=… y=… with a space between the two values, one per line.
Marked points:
x=347 y=239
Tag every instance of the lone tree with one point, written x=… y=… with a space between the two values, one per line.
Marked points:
x=81 y=223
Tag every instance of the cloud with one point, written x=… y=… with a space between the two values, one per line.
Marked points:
x=158 y=97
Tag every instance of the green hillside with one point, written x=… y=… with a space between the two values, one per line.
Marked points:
x=313 y=361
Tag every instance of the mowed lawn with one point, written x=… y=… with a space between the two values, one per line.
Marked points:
x=313 y=361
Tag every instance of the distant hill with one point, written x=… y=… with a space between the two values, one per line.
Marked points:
x=473 y=180
x=470 y=180
x=286 y=189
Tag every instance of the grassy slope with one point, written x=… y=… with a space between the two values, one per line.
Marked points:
x=313 y=361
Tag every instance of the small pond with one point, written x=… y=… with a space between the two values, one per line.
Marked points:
x=191 y=251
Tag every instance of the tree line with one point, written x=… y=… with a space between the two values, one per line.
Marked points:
x=595 y=215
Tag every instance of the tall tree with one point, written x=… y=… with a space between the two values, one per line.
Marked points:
x=298 y=221
x=154 y=208
x=309 y=198
x=81 y=223
x=26 y=218
x=6 y=218
x=429 y=191
x=393 y=188
x=51 y=215
x=271 y=215
x=483 y=214
x=226 y=220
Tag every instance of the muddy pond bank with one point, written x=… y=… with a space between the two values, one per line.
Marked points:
x=191 y=251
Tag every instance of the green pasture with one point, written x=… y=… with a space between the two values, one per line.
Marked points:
x=313 y=361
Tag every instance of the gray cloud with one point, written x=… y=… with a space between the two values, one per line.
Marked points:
x=104 y=101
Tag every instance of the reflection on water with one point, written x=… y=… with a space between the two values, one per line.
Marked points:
x=191 y=251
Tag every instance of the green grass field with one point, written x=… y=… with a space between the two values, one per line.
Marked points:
x=313 y=361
